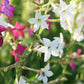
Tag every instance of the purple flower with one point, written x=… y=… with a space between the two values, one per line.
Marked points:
x=18 y=30
x=72 y=65
x=20 y=50
x=7 y=9
x=49 y=23
x=30 y=31
x=2 y=28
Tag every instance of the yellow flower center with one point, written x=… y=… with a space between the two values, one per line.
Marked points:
x=39 y=20
x=64 y=11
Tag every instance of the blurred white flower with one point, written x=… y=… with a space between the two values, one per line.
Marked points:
x=22 y=81
x=38 y=21
x=66 y=15
x=48 y=48
x=79 y=34
x=80 y=19
x=45 y=73
x=2 y=22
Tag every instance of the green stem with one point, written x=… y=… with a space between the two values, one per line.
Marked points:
x=27 y=68
x=53 y=20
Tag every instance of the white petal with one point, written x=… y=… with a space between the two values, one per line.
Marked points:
x=32 y=20
x=42 y=49
x=55 y=53
x=47 y=56
x=37 y=15
x=22 y=81
x=63 y=4
x=45 y=79
x=44 y=17
x=36 y=27
x=47 y=67
x=49 y=73
x=44 y=24
x=54 y=43
x=61 y=37
x=40 y=77
x=57 y=10
x=46 y=41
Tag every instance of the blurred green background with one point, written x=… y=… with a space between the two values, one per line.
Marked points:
x=24 y=10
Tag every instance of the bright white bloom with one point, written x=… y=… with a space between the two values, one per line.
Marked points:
x=54 y=47
x=45 y=73
x=48 y=48
x=66 y=15
x=39 y=20
x=22 y=81
x=59 y=50
x=80 y=19
x=2 y=22
x=78 y=35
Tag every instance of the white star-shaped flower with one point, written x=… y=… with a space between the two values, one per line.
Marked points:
x=48 y=48
x=66 y=15
x=22 y=81
x=2 y=22
x=39 y=20
x=45 y=73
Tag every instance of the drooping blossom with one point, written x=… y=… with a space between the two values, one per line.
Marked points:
x=18 y=30
x=7 y=9
x=22 y=81
x=45 y=73
x=19 y=50
x=39 y=20
x=54 y=47
x=2 y=28
x=66 y=15
x=49 y=23
x=30 y=31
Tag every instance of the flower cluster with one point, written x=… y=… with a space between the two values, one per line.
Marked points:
x=70 y=20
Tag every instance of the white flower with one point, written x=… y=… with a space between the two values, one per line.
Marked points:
x=45 y=73
x=80 y=19
x=38 y=21
x=22 y=81
x=48 y=48
x=2 y=22
x=66 y=15
x=61 y=44
x=78 y=35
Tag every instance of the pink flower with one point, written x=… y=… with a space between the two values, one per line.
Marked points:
x=7 y=9
x=30 y=31
x=72 y=65
x=79 y=52
x=18 y=30
x=49 y=23
x=37 y=1
x=20 y=50
x=2 y=28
